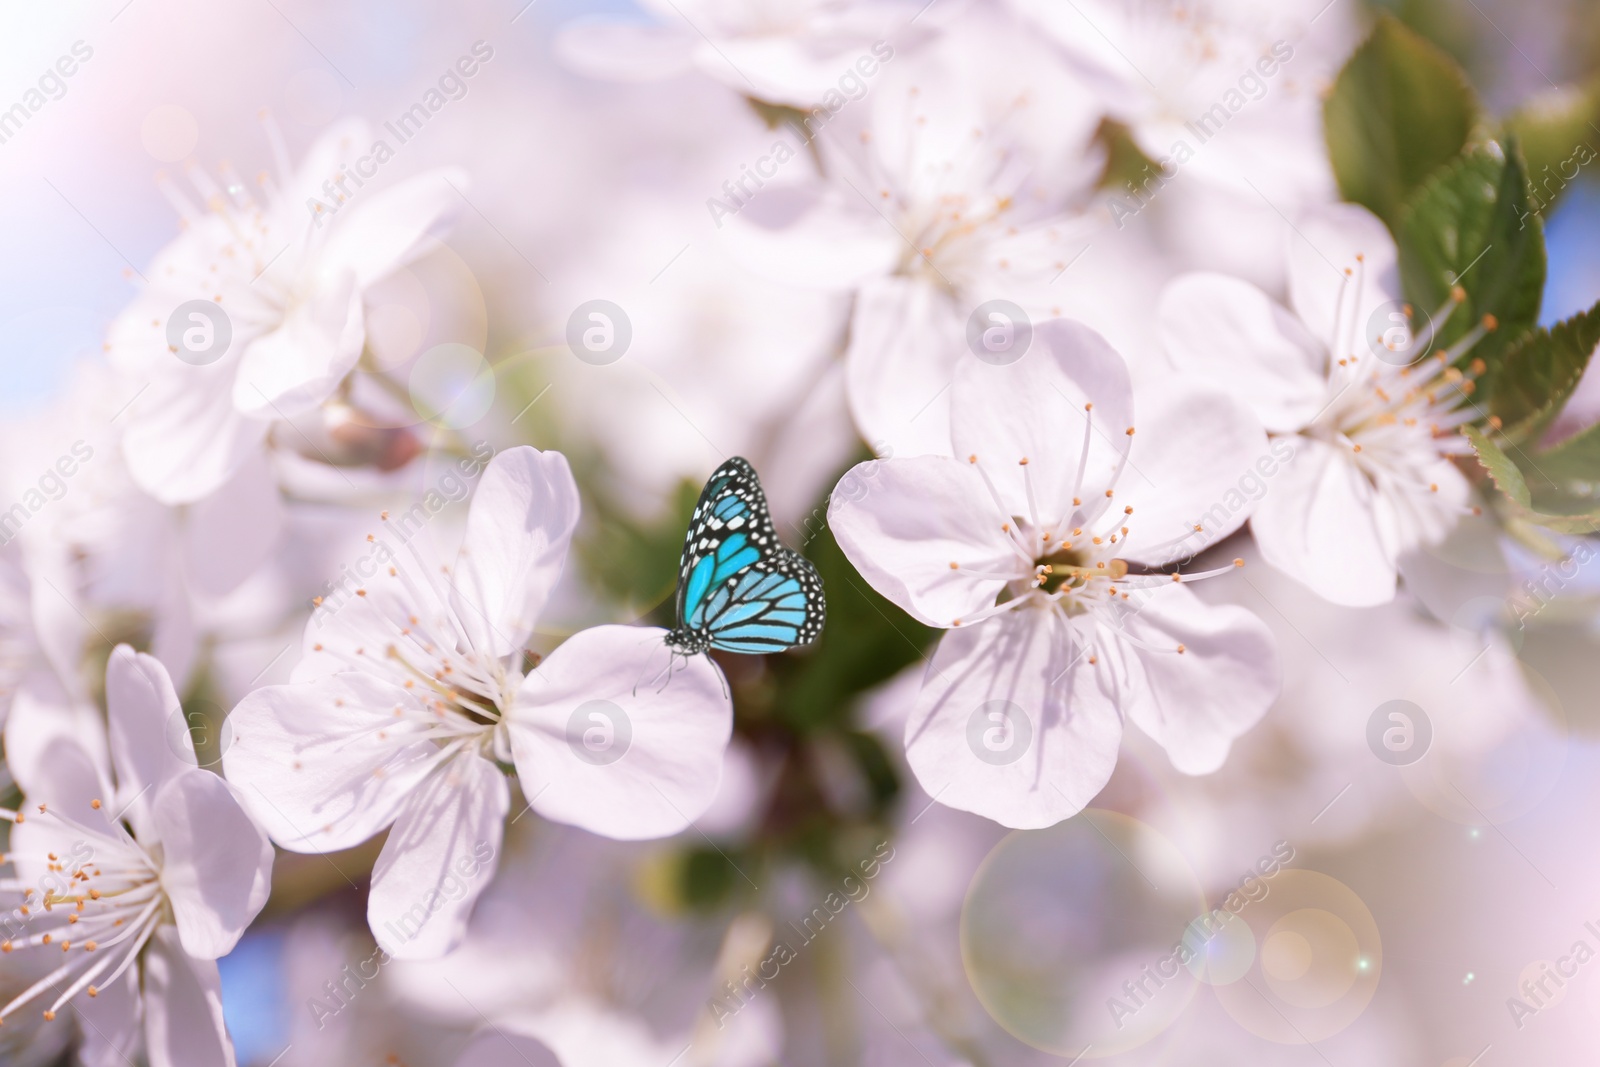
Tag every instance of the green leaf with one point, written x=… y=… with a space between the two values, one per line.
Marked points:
x=1531 y=535
x=1556 y=129
x=1574 y=464
x=1541 y=491
x=1127 y=166
x=876 y=766
x=1472 y=226
x=1540 y=373
x=635 y=564
x=1499 y=465
x=708 y=878
x=865 y=642
x=1399 y=111
x=1569 y=524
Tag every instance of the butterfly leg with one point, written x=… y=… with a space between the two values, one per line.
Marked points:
x=667 y=670
x=672 y=659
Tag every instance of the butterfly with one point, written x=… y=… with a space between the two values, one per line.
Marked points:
x=739 y=588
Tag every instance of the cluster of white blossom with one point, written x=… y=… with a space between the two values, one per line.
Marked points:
x=284 y=571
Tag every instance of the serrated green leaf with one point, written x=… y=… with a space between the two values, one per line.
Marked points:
x=1504 y=472
x=1400 y=109
x=1568 y=524
x=1532 y=536
x=1539 y=374
x=1557 y=132
x=1472 y=226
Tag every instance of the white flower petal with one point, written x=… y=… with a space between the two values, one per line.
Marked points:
x=1011 y=723
x=1194 y=702
x=811 y=235
x=147 y=748
x=1318 y=525
x=187 y=439
x=924 y=137
x=903 y=523
x=386 y=230
x=183 y=1024
x=356 y=623
x=1343 y=267
x=786 y=71
x=43 y=716
x=1195 y=453
x=66 y=780
x=441 y=854
x=1409 y=516
x=216 y=863
x=1035 y=409
x=324 y=765
x=299 y=364
x=324 y=158
x=58 y=622
x=905 y=339
x=112 y=1023
x=604 y=740
x=518 y=529
x=1236 y=336
x=228 y=535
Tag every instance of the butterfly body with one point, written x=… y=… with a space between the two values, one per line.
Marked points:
x=739 y=588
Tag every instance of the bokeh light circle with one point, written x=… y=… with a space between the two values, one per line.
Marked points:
x=394 y=334
x=1222 y=951
x=1480 y=619
x=1072 y=936
x=1318 y=965
x=452 y=384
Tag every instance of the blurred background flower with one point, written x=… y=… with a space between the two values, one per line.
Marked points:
x=638 y=276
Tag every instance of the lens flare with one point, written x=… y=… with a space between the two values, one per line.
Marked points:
x=1073 y=937
x=1319 y=963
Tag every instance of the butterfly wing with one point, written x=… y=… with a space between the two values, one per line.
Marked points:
x=774 y=605
x=737 y=583
x=730 y=504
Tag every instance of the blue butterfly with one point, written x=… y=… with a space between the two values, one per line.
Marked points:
x=739 y=588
